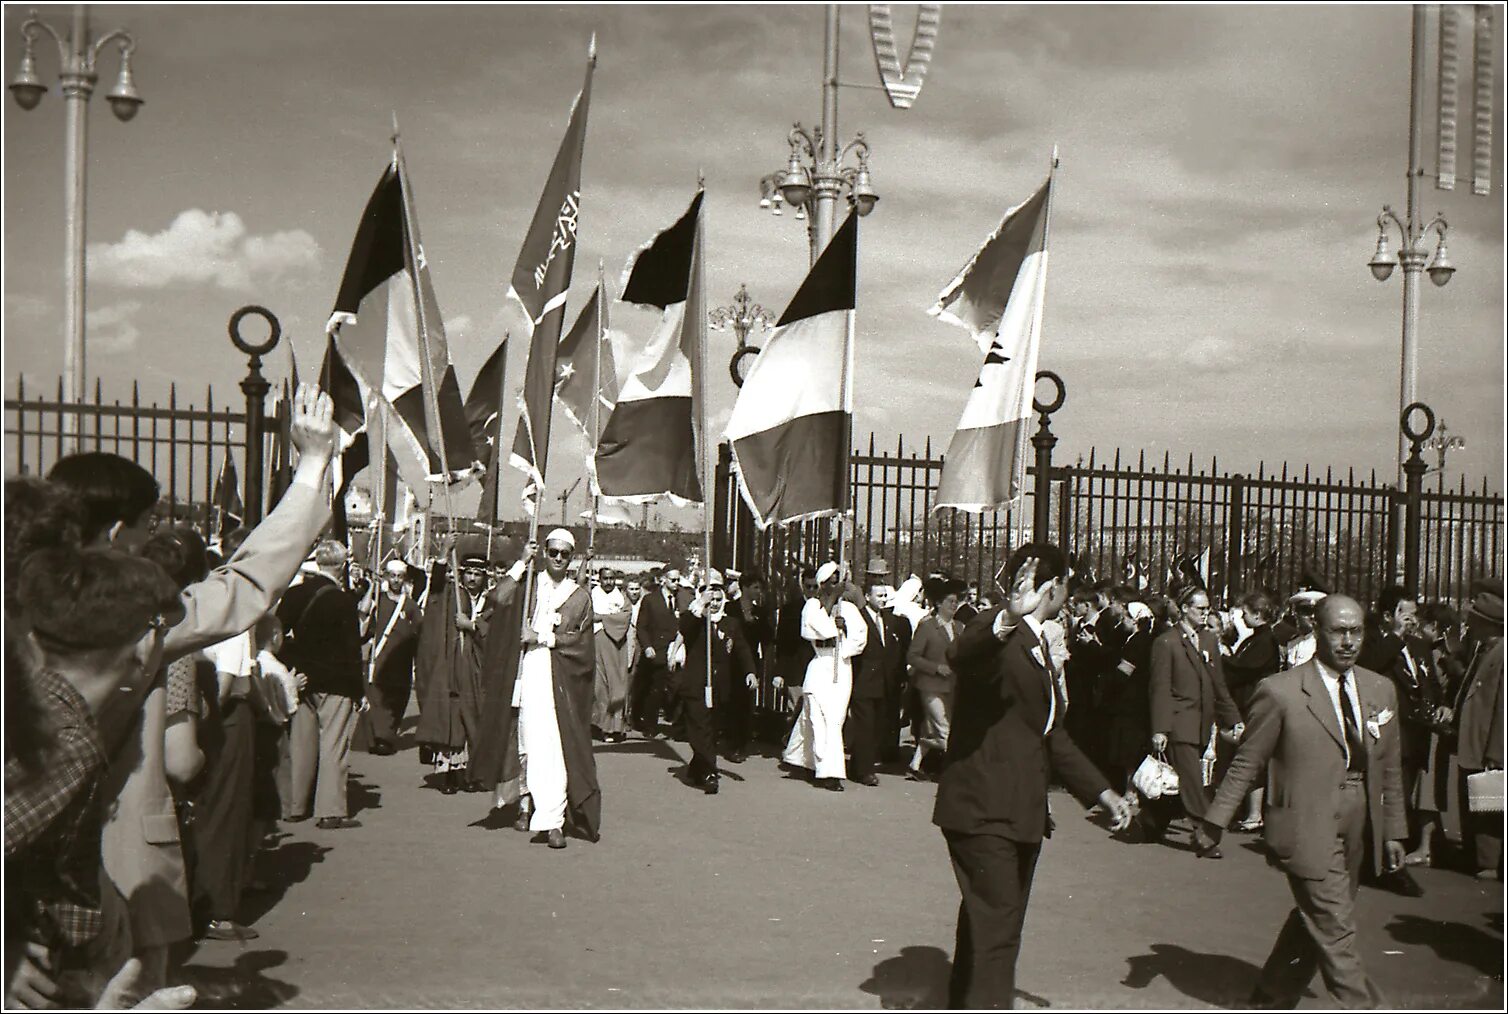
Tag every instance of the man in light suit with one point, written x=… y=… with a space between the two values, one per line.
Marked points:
x=1007 y=734
x=1327 y=735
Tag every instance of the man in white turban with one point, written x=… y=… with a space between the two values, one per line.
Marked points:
x=837 y=632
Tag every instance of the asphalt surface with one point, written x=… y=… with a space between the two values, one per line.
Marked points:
x=776 y=894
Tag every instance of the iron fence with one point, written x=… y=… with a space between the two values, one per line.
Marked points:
x=1131 y=517
x=183 y=445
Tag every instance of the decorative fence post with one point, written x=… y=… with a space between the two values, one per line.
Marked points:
x=255 y=387
x=1235 y=535
x=1043 y=441
x=1413 y=470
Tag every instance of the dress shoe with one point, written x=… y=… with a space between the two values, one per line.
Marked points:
x=709 y=785
x=831 y=784
x=225 y=929
x=336 y=823
x=913 y=775
x=449 y=788
x=555 y=838
x=295 y=820
x=869 y=780
x=522 y=823
x=1487 y=875
x=382 y=748
x=1207 y=849
x=737 y=757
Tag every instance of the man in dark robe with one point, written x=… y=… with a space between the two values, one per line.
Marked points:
x=395 y=641
x=450 y=715
x=538 y=721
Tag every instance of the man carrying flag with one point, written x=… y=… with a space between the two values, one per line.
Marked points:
x=998 y=298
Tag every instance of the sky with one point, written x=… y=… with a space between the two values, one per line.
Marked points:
x=1222 y=170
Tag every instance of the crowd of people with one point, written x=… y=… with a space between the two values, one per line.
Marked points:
x=170 y=703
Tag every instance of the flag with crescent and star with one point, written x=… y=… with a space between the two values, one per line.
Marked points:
x=997 y=298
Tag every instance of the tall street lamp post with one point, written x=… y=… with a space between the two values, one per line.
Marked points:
x=815 y=176
x=77 y=58
x=1413 y=235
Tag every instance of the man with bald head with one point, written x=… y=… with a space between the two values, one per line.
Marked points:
x=1326 y=732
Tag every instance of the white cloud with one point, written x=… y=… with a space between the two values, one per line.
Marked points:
x=202 y=246
x=112 y=329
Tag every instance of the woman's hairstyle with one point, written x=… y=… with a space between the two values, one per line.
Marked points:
x=180 y=551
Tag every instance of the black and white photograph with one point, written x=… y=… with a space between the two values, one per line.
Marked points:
x=754 y=506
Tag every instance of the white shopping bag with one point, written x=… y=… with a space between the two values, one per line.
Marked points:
x=1155 y=778
x=1207 y=762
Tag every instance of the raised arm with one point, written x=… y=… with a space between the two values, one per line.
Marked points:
x=236 y=595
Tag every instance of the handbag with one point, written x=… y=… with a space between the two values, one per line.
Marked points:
x=1484 y=791
x=1155 y=777
x=1207 y=762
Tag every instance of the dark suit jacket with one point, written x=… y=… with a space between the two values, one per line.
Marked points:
x=1188 y=688
x=1418 y=691
x=731 y=658
x=792 y=651
x=1480 y=713
x=325 y=644
x=656 y=627
x=995 y=774
x=881 y=665
x=1258 y=657
x=1294 y=735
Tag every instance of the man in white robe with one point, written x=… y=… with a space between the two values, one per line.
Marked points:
x=837 y=631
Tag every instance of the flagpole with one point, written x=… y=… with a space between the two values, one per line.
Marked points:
x=696 y=304
x=426 y=372
x=845 y=448
x=596 y=419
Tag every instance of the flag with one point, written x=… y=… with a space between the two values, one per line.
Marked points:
x=541 y=278
x=387 y=327
x=649 y=447
x=281 y=469
x=610 y=512
x=227 y=499
x=585 y=369
x=791 y=424
x=997 y=297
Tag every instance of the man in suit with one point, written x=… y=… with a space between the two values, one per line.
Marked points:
x=793 y=653
x=704 y=694
x=992 y=797
x=1327 y=734
x=877 y=677
x=323 y=642
x=1479 y=711
x=655 y=629
x=1188 y=696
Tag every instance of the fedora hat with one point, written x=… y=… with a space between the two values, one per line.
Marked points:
x=878 y=567
x=1487 y=600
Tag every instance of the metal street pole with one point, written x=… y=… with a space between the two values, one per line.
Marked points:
x=77 y=57
x=78 y=85
x=828 y=183
x=1411 y=256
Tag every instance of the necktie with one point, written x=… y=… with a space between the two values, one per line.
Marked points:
x=1355 y=748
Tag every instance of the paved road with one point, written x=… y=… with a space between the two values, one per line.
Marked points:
x=776 y=894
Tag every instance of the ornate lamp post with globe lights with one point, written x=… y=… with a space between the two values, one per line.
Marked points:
x=78 y=56
x=815 y=174
x=1442 y=442
x=741 y=317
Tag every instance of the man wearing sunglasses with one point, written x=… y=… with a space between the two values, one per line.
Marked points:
x=557 y=775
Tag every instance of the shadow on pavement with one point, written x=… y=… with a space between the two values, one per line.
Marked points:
x=916 y=979
x=1451 y=941
x=361 y=795
x=281 y=868
x=243 y=986
x=651 y=747
x=1217 y=979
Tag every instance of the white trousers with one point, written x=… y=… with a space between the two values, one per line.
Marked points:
x=543 y=775
x=817 y=739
